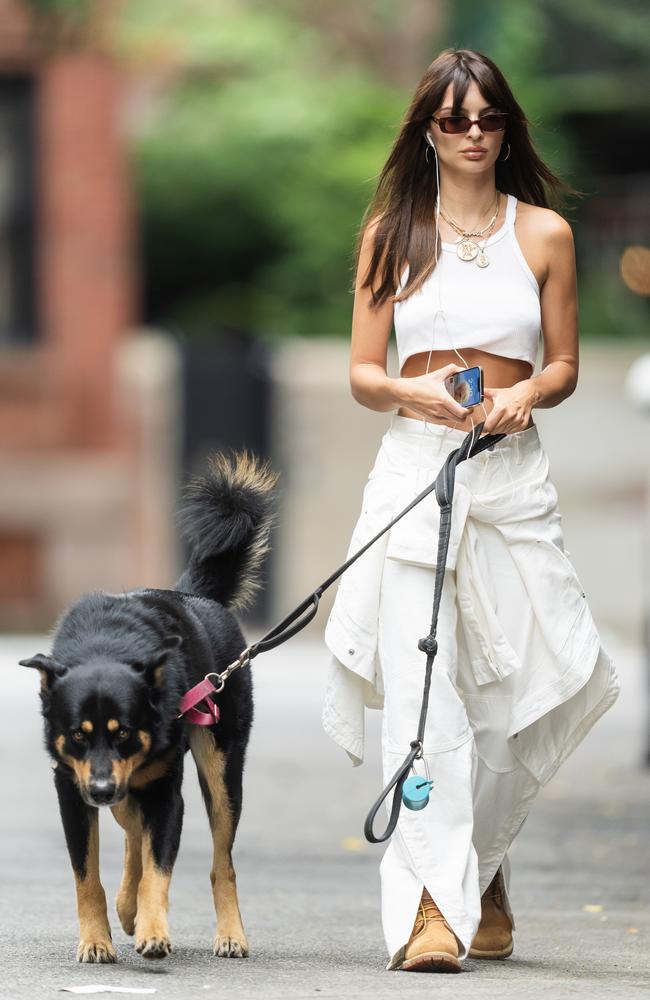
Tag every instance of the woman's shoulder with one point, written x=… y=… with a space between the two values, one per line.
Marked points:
x=544 y=223
x=370 y=228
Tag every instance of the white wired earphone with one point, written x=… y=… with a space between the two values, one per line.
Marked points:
x=441 y=312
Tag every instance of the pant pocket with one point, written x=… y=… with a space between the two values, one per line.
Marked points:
x=489 y=717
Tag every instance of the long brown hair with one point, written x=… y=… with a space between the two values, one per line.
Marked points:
x=406 y=192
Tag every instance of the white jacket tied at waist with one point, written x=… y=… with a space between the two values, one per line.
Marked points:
x=567 y=680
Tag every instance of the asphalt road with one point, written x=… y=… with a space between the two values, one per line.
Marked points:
x=308 y=881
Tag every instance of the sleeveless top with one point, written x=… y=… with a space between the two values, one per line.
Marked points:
x=494 y=308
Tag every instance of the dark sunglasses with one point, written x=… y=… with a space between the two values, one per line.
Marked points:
x=455 y=124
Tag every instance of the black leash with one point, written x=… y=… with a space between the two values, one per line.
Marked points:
x=443 y=485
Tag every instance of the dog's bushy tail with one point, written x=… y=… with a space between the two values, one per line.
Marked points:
x=226 y=516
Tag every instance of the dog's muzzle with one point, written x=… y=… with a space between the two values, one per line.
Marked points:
x=102 y=792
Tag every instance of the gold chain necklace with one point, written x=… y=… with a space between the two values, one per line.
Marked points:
x=467 y=248
x=477 y=232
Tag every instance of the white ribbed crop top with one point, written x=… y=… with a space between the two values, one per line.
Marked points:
x=494 y=308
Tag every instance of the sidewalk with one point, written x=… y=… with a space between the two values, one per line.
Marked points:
x=309 y=882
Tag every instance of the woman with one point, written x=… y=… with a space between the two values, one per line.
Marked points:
x=463 y=255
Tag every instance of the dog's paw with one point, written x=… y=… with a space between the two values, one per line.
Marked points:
x=231 y=947
x=126 y=907
x=153 y=947
x=100 y=951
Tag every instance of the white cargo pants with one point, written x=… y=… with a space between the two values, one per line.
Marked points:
x=481 y=794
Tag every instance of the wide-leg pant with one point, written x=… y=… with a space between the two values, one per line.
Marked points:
x=519 y=678
x=481 y=794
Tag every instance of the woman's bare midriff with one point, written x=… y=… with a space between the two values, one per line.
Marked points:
x=498 y=373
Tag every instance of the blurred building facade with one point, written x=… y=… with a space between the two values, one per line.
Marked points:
x=84 y=498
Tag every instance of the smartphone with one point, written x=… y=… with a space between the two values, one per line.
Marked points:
x=467 y=386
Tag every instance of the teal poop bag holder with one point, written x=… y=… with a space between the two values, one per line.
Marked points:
x=414 y=791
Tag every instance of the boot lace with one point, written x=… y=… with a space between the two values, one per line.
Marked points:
x=428 y=912
x=494 y=891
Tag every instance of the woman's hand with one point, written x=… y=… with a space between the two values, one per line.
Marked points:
x=427 y=395
x=511 y=409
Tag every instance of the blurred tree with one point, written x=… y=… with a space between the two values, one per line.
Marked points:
x=253 y=163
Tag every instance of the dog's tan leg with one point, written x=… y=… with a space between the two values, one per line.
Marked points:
x=81 y=828
x=160 y=811
x=152 y=938
x=95 y=943
x=129 y=817
x=230 y=940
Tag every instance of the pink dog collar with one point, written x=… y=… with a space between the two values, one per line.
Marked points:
x=191 y=698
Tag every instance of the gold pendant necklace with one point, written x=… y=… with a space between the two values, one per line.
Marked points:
x=469 y=249
x=466 y=247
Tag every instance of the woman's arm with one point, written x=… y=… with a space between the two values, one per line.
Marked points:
x=370 y=384
x=559 y=305
x=512 y=406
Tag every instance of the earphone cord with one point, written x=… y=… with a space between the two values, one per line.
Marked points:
x=440 y=311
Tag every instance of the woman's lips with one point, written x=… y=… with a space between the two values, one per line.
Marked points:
x=474 y=154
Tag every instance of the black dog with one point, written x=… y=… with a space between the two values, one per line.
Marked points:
x=110 y=693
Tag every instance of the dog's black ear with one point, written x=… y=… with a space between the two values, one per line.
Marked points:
x=153 y=667
x=49 y=668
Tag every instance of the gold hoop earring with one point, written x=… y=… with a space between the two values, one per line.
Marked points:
x=505 y=157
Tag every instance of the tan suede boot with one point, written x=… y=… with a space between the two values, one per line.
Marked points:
x=493 y=938
x=432 y=946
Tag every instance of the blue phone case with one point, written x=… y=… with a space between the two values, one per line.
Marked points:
x=466 y=386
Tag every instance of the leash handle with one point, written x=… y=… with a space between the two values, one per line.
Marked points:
x=397 y=780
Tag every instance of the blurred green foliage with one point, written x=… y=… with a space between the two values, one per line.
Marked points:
x=255 y=169
x=263 y=129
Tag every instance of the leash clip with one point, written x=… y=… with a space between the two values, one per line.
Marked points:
x=219 y=677
x=205 y=688
x=241 y=661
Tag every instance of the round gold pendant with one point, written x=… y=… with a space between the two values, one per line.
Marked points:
x=482 y=260
x=466 y=249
